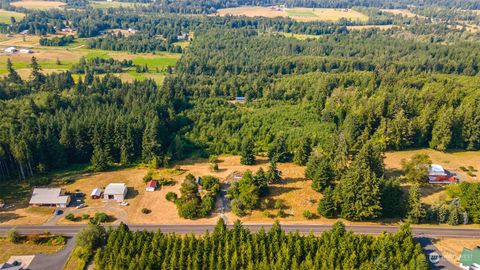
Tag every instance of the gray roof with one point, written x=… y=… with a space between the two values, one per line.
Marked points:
x=115 y=189
x=96 y=192
x=7 y=266
x=48 y=196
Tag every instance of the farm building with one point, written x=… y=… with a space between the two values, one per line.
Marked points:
x=50 y=197
x=152 y=185
x=10 y=50
x=240 y=99
x=25 y=51
x=438 y=175
x=115 y=191
x=96 y=193
x=470 y=259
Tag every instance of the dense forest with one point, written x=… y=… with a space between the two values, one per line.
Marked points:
x=238 y=248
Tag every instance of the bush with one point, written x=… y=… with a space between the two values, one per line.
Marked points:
x=463 y=168
x=307 y=214
x=99 y=217
x=148 y=176
x=471 y=168
x=471 y=174
x=85 y=216
x=267 y=214
x=13 y=236
x=70 y=217
x=171 y=196
x=278 y=205
x=146 y=211
x=281 y=213
x=214 y=167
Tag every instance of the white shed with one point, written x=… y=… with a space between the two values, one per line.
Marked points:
x=115 y=191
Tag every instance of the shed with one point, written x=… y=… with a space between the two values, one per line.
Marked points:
x=470 y=258
x=50 y=197
x=96 y=193
x=438 y=175
x=25 y=51
x=115 y=191
x=152 y=185
x=10 y=50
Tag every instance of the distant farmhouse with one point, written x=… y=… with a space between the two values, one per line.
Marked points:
x=470 y=259
x=115 y=191
x=438 y=175
x=50 y=197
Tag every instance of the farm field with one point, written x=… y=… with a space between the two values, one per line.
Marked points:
x=5 y=16
x=404 y=12
x=43 y=5
x=451 y=248
x=299 y=14
x=69 y=55
x=113 y=4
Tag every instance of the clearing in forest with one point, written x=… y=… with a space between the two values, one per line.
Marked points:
x=113 y=4
x=38 y=4
x=5 y=16
x=299 y=14
x=404 y=12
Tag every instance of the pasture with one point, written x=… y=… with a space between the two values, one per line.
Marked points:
x=5 y=16
x=113 y=4
x=299 y=14
x=42 y=5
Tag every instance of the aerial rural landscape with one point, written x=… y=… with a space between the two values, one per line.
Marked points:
x=319 y=134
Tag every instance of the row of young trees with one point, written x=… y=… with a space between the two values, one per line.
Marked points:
x=238 y=248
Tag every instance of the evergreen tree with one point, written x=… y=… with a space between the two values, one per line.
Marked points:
x=326 y=205
x=99 y=160
x=12 y=76
x=416 y=211
x=278 y=150
x=323 y=176
x=36 y=77
x=303 y=152
x=273 y=174
x=247 y=154
x=261 y=181
x=416 y=169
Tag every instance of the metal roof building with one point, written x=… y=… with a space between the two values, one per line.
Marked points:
x=49 y=197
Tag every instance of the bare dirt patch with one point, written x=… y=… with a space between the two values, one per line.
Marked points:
x=38 y=4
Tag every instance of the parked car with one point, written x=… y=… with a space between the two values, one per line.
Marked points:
x=57 y=212
x=80 y=206
x=124 y=203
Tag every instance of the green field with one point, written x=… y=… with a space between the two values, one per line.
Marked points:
x=5 y=16
x=300 y=13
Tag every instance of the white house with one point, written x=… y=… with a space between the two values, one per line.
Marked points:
x=96 y=193
x=50 y=197
x=10 y=50
x=115 y=191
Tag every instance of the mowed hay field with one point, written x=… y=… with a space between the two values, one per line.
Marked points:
x=28 y=4
x=299 y=14
x=5 y=16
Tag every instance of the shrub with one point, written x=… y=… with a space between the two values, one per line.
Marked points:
x=278 y=205
x=471 y=174
x=85 y=216
x=281 y=213
x=463 y=168
x=307 y=214
x=13 y=236
x=70 y=217
x=146 y=211
x=267 y=214
x=214 y=167
x=148 y=176
x=99 y=217
x=171 y=196
x=471 y=168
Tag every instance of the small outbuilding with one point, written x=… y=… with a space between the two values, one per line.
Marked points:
x=25 y=51
x=438 y=175
x=115 y=191
x=10 y=50
x=470 y=259
x=152 y=185
x=97 y=193
x=50 y=197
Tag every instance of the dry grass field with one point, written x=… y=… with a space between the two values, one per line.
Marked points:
x=404 y=12
x=299 y=14
x=451 y=248
x=8 y=249
x=28 y=4
x=5 y=16
x=363 y=27
x=24 y=214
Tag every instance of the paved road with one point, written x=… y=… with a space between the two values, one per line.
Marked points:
x=53 y=261
x=431 y=251
x=428 y=232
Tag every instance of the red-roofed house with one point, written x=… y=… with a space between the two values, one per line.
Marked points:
x=152 y=185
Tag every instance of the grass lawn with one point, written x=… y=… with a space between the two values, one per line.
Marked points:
x=8 y=249
x=5 y=16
